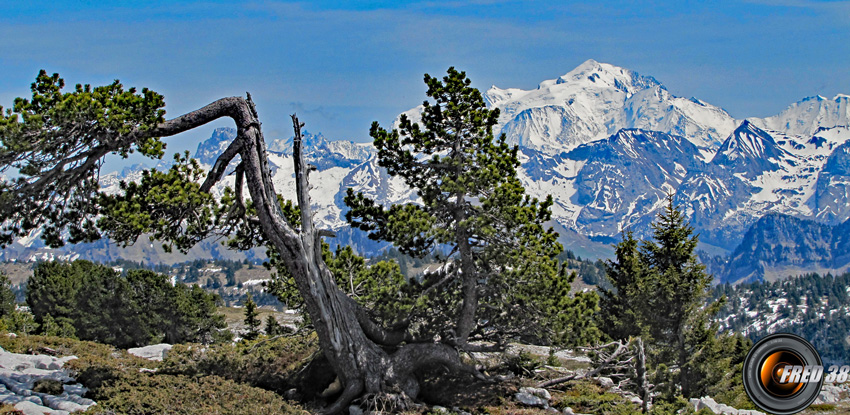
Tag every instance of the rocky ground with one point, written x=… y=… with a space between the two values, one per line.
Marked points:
x=38 y=384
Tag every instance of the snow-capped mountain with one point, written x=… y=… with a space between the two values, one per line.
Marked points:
x=608 y=185
x=756 y=173
x=804 y=118
x=596 y=100
x=608 y=144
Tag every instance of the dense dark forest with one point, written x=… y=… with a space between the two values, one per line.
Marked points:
x=812 y=306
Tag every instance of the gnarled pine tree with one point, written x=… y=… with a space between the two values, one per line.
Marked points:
x=53 y=145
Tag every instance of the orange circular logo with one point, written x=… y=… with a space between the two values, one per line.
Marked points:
x=783 y=374
x=772 y=370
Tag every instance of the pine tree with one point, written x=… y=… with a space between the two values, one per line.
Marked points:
x=273 y=328
x=93 y=302
x=680 y=287
x=659 y=292
x=7 y=296
x=624 y=304
x=251 y=320
x=502 y=258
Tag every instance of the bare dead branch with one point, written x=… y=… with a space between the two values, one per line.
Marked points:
x=220 y=166
x=301 y=184
x=608 y=359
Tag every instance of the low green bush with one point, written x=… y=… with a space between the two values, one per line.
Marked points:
x=587 y=397
x=155 y=393
x=269 y=363
x=822 y=407
x=60 y=346
x=48 y=386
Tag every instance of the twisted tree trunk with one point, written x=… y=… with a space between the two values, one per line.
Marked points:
x=353 y=344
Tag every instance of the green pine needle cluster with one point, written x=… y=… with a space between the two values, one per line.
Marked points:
x=53 y=145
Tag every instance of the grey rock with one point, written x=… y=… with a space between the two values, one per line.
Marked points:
x=606 y=383
x=719 y=408
x=29 y=408
x=62 y=403
x=77 y=397
x=18 y=374
x=531 y=400
x=18 y=388
x=635 y=399
x=539 y=392
x=828 y=394
x=355 y=410
x=10 y=399
x=155 y=352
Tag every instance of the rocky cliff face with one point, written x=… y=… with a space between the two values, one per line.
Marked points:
x=833 y=187
x=779 y=245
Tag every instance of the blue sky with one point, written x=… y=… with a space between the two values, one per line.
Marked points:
x=341 y=65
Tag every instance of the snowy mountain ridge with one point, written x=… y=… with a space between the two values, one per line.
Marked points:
x=594 y=101
x=608 y=144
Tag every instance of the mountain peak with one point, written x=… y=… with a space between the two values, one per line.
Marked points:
x=805 y=117
x=751 y=141
x=587 y=67
x=209 y=149
x=595 y=100
x=605 y=75
x=747 y=126
x=749 y=150
x=309 y=142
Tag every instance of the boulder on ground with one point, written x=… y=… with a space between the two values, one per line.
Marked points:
x=828 y=394
x=155 y=352
x=719 y=408
x=537 y=397
x=36 y=385
x=29 y=408
x=606 y=383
